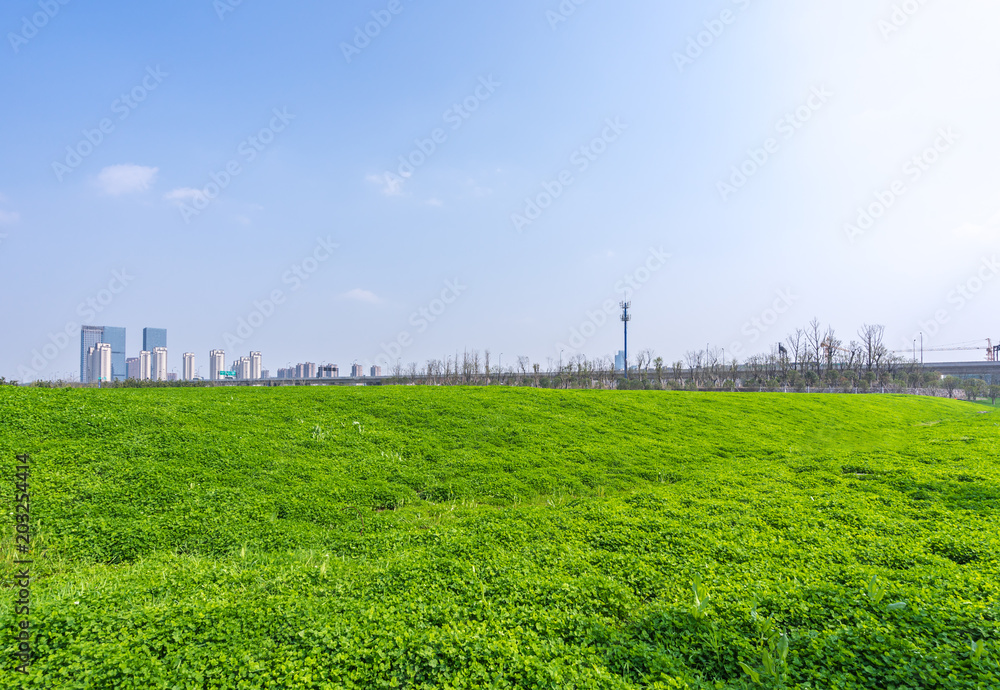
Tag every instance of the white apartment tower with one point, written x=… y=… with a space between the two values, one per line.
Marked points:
x=100 y=362
x=217 y=363
x=255 y=372
x=145 y=365
x=159 y=364
x=188 y=371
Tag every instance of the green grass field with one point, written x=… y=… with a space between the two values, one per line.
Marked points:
x=511 y=538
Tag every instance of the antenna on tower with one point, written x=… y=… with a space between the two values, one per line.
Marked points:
x=626 y=317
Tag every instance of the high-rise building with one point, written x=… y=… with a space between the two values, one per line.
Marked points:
x=328 y=371
x=89 y=337
x=153 y=338
x=217 y=363
x=242 y=368
x=357 y=371
x=620 y=361
x=158 y=364
x=145 y=365
x=305 y=371
x=100 y=363
x=188 y=369
x=255 y=362
x=265 y=373
x=111 y=335
x=115 y=337
x=376 y=371
x=132 y=364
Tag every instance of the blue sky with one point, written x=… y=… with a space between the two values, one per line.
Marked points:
x=559 y=153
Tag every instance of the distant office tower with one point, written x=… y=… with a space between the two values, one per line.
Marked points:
x=286 y=373
x=305 y=371
x=100 y=363
x=159 y=364
x=172 y=376
x=89 y=337
x=328 y=371
x=217 y=363
x=113 y=336
x=376 y=371
x=265 y=373
x=255 y=362
x=132 y=364
x=188 y=369
x=620 y=361
x=357 y=371
x=145 y=365
x=153 y=338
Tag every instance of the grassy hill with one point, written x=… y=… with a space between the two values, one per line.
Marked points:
x=453 y=537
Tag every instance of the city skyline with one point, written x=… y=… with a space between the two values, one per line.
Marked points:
x=733 y=170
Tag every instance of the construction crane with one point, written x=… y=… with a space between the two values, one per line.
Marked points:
x=992 y=352
x=830 y=347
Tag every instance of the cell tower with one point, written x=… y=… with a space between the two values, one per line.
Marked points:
x=626 y=317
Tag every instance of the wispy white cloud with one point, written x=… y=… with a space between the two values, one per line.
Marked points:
x=184 y=194
x=360 y=295
x=988 y=232
x=126 y=179
x=9 y=217
x=390 y=186
x=477 y=189
x=434 y=202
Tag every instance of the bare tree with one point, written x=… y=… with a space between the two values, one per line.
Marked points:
x=523 y=364
x=873 y=350
x=475 y=366
x=814 y=340
x=647 y=356
x=795 y=346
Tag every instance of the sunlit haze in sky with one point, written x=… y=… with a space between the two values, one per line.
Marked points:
x=405 y=179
